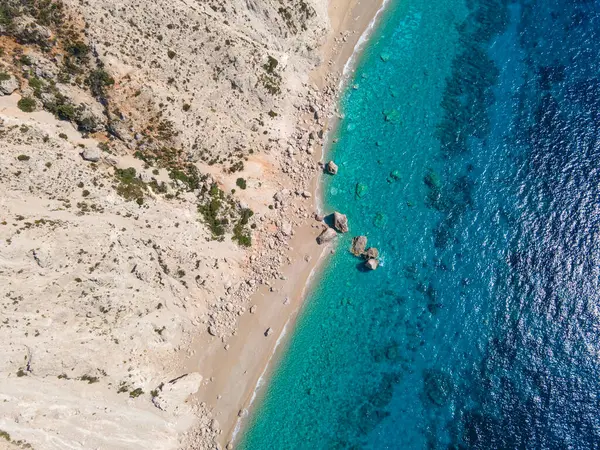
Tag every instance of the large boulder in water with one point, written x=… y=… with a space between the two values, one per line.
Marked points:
x=327 y=235
x=340 y=222
x=331 y=168
x=372 y=253
x=359 y=244
x=372 y=264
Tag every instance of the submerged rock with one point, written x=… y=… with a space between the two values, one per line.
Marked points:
x=395 y=175
x=392 y=116
x=327 y=235
x=361 y=190
x=380 y=220
x=331 y=168
x=359 y=244
x=438 y=386
x=340 y=222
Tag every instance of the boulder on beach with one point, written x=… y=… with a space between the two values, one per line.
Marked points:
x=331 y=168
x=372 y=264
x=327 y=235
x=359 y=244
x=340 y=222
x=269 y=331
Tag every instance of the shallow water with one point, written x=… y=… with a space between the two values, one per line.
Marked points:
x=481 y=329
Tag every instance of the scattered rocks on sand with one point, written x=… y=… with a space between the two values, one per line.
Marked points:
x=340 y=222
x=91 y=154
x=327 y=235
x=331 y=168
x=372 y=264
x=286 y=229
x=359 y=244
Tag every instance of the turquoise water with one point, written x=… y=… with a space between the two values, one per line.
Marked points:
x=481 y=328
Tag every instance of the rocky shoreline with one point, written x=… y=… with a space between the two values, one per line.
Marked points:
x=151 y=217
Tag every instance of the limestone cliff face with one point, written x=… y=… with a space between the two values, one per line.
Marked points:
x=141 y=144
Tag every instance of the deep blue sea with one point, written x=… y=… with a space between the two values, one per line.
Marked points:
x=481 y=329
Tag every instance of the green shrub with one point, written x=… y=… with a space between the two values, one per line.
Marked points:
x=98 y=81
x=241 y=183
x=171 y=54
x=136 y=393
x=240 y=234
x=89 y=379
x=65 y=112
x=4 y=76
x=77 y=49
x=271 y=65
x=23 y=158
x=188 y=175
x=210 y=211
x=130 y=187
x=37 y=85
x=26 y=104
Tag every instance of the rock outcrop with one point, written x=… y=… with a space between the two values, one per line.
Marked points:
x=8 y=84
x=91 y=154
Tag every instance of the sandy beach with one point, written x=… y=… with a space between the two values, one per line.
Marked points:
x=235 y=372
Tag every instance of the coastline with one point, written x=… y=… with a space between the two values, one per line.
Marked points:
x=234 y=376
